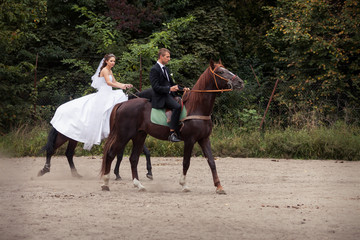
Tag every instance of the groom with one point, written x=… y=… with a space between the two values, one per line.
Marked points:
x=165 y=91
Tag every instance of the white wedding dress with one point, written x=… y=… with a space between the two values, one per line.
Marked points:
x=87 y=119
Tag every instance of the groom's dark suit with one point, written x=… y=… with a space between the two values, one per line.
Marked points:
x=162 y=97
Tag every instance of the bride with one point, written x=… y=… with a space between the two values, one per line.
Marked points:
x=86 y=119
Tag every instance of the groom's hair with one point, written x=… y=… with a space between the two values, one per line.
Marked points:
x=162 y=52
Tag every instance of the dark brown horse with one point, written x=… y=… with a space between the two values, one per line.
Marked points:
x=132 y=122
x=56 y=140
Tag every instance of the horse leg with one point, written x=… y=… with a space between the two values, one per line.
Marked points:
x=119 y=158
x=108 y=158
x=148 y=162
x=188 y=147
x=70 y=151
x=206 y=148
x=46 y=167
x=138 y=145
x=55 y=140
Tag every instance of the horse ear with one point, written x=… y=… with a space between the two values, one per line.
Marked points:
x=212 y=65
x=220 y=61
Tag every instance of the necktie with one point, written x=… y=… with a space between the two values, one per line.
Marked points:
x=165 y=73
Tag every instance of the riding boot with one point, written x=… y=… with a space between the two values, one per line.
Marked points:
x=173 y=137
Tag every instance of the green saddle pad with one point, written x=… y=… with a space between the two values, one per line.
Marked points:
x=158 y=116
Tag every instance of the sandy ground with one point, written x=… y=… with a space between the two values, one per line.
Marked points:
x=266 y=199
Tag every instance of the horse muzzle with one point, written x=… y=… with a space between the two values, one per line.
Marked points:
x=237 y=83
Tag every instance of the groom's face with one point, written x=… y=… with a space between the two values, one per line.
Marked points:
x=164 y=59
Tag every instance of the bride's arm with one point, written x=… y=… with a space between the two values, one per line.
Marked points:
x=121 y=85
x=114 y=83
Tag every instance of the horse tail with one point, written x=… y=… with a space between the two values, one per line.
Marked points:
x=113 y=115
x=49 y=147
x=111 y=138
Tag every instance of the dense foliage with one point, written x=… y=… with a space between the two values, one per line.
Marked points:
x=316 y=48
x=51 y=48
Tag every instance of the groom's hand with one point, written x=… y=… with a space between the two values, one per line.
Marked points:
x=174 y=88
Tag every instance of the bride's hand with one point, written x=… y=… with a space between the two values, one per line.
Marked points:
x=126 y=86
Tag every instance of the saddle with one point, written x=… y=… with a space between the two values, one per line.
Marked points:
x=168 y=112
x=163 y=116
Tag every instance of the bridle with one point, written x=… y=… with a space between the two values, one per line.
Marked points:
x=218 y=89
x=208 y=118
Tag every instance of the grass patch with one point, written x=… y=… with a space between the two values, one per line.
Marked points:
x=337 y=142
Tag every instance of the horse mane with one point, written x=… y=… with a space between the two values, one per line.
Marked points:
x=193 y=99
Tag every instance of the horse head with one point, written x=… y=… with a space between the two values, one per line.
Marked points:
x=224 y=79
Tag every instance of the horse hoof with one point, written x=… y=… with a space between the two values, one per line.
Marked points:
x=43 y=171
x=118 y=178
x=40 y=173
x=186 y=189
x=75 y=174
x=149 y=176
x=142 y=189
x=105 y=188
x=220 y=191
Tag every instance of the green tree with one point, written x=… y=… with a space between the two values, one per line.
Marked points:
x=315 y=45
x=168 y=37
x=19 y=22
x=74 y=40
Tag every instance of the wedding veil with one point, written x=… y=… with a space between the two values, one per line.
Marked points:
x=95 y=78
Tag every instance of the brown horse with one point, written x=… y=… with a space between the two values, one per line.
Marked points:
x=132 y=122
x=56 y=140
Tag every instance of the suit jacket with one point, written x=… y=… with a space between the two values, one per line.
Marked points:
x=161 y=86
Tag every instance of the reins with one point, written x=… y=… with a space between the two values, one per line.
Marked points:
x=208 y=118
x=205 y=91
x=199 y=117
x=137 y=90
x=215 y=90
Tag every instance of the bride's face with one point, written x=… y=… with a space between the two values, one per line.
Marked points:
x=111 y=62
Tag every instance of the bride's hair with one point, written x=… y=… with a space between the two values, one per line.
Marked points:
x=106 y=58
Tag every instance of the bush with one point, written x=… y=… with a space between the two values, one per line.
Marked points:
x=337 y=142
x=340 y=141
